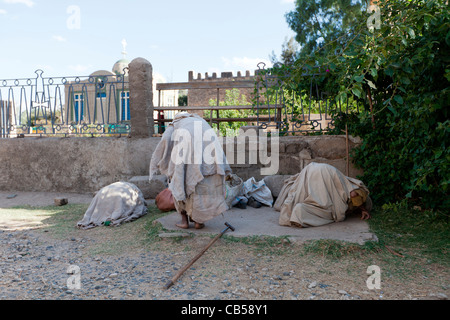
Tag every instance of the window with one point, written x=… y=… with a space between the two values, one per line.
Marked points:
x=101 y=106
x=101 y=99
x=78 y=107
x=124 y=105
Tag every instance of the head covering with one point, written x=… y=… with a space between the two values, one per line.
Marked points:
x=360 y=198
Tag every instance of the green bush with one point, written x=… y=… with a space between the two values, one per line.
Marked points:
x=400 y=73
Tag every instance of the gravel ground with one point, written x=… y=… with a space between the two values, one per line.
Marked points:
x=37 y=264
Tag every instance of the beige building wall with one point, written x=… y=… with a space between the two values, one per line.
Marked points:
x=98 y=100
x=166 y=98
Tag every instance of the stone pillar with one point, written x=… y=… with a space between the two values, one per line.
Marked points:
x=141 y=98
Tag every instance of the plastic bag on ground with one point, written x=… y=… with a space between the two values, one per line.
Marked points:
x=258 y=190
x=234 y=186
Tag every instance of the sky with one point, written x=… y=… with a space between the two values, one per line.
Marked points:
x=78 y=37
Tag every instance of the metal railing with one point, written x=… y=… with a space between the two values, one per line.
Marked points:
x=99 y=105
x=274 y=105
x=310 y=110
x=95 y=105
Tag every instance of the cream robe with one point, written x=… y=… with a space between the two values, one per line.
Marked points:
x=197 y=187
x=316 y=196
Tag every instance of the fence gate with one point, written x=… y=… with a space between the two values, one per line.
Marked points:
x=77 y=105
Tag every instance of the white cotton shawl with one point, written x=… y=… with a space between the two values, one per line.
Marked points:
x=118 y=203
x=185 y=175
x=318 y=194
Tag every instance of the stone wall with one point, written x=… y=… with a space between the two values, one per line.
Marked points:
x=88 y=164
x=71 y=164
x=298 y=151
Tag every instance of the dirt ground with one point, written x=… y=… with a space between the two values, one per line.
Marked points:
x=114 y=265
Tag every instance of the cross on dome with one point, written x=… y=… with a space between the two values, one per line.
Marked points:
x=124 y=46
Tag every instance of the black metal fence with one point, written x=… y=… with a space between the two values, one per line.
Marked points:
x=296 y=111
x=275 y=106
x=95 y=105
x=99 y=105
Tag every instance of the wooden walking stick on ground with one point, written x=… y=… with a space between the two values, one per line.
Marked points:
x=172 y=281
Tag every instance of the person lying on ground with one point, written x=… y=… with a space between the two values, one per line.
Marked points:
x=321 y=194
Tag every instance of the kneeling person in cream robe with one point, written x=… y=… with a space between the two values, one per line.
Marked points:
x=320 y=194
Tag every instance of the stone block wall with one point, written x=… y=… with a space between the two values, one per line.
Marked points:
x=88 y=164
x=71 y=164
x=298 y=151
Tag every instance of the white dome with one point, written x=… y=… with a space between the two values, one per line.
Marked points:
x=119 y=66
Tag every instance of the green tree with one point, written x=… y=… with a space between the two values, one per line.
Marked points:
x=289 y=51
x=317 y=22
x=401 y=74
x=233 y=97
x=182 y=99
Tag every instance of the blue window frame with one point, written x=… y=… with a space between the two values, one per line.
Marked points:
x=125 y=106
x=78 y=107
x=100 y=107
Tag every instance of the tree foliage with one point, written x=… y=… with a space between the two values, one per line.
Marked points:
x=318 y=22
x=401 y=74
x=233 y=97
x=289 y=51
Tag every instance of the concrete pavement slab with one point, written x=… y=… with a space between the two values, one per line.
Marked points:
x=264 y=221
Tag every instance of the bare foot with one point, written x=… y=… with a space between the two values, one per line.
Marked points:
x=199 y=225
x=184 y=223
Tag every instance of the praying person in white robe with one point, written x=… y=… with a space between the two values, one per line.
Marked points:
x=191 y=156
x=321 y=194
